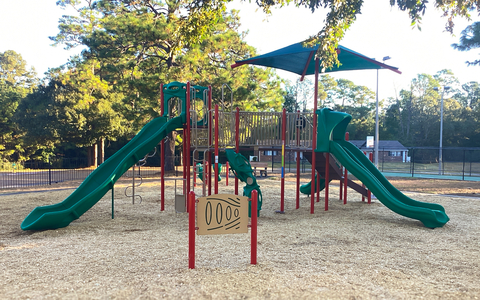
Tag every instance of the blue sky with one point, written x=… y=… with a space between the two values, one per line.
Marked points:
x=380 y=31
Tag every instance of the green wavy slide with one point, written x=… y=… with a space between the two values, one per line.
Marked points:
x=430 y=214
x=307 y=188
x=100 y=181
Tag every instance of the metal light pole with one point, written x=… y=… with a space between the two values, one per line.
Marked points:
x=440 y=150
x=377 y=139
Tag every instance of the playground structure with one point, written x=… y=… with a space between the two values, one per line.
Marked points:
x=208 y=131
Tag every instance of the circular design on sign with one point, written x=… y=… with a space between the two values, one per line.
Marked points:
x=219 y=213
x=228 y=213
x=236 y=213
x=208 y=213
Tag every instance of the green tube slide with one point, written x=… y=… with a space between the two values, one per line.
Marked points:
x=243 y=170
x=430 y=214
x=100 y=181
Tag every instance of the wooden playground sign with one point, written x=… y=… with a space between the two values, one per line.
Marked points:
x=222 y=214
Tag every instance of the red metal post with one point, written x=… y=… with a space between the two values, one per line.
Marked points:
x=341 y=185
x=363 y=185
x=187 y=135
x=237 y=141
x=327 y=178
x=216 y=149
x=162 y=155
x=191 y=230
x=369 y=193
x=345 y=177
x=210 y=137
x=184 y=162
x=282 y=180
x=253 y=228
x=297 y=204
x=314 y=138
x=209 y=162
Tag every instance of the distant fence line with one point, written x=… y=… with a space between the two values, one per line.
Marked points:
x=461 y=163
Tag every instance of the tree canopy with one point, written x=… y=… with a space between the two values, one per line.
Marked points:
x=469 y=39
x=112 y=89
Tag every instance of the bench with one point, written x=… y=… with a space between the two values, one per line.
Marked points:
x=260 y=165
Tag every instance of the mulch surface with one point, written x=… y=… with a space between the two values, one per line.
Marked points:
x=352 y=251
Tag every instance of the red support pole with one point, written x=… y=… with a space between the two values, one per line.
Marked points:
x=369 y=193
x=237 y=141
x=187 y=135
x=282 y=180
x=327 y=179
x=184 y=162
x=341 y=185
x=216 y=149
x=314 y=138
x=253 y=228
x=345 y=184
x=162 y=155
x=210 y=137
x=297 y=204
x=209 y=173
x=363 y=185
x=191 y=230
x=226 y=173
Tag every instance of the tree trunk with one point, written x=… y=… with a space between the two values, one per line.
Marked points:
x=100 y=151
x=92 y=156
x=170 y=151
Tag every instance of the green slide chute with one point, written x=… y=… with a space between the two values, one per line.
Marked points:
x=332 y=126
x=100 y=181
x=430 y=214
x=243 y=170
x=307 y=188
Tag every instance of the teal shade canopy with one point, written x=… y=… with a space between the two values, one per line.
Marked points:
x=301 y=60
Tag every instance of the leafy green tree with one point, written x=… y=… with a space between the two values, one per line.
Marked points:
x=327 y=86
x=298 y=95
x=472 y=98
x=290 y=103
x=10 y=97
x=208 y=63
x=15 y=82
x=343 y=93
x=73 y=106
x=469 y=39
x=414 y=117
x=140 y=44
x=13 y=69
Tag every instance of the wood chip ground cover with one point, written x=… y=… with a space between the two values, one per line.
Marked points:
x=352 y=251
